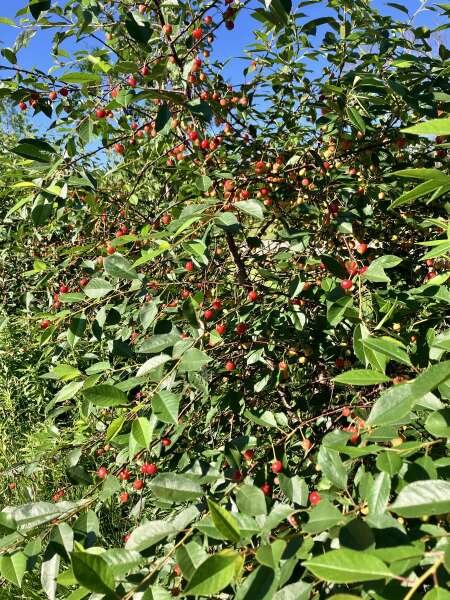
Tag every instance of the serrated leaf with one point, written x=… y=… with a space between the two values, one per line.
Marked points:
x=105 y=395
x=423 y=498
x=224 y=521
x=213 y=575
x=347 y=566
x=361 y=377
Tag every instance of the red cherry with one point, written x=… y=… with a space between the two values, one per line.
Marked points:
x=248 y=454
x=217 y=304
x=166 y=219
x=167 y=29
x=237 y=475
x=166 y=442
x=100 y=113
x=119 y=148
x=102 y=472
x=64 y=92
x=346 y=284
x=149 y=469
x=220 y=328
x=305 y=182
x=123 y=497
x=124 y=475
x=326 y=165
x=277 y=466
x=63 y=289
x=12 y=485
x=264 y=191
x=339 y=362
x=346 y=411
x=245 y=194
x=208 y=314
x=228 y=185
x=126 y=537
x=185 y=294
x=266 y=489
x=353 y=172
x=355 y=437
x=197 y=34
x=306 y=444
x=45 y=323
x=189 y=265
x=114 y=92
x=314 y=498
x=52 y=96
x=252 y=296
x=84 y=281
x=138 y=484
x=362 y=270
x=132 y=82
x=22 y=106
x=241 y=328
x=208 y=20
x=144 y=71
x=110 y=249
x=193 y=135
x=229 y=366
x=204 y=144
x=283 y=366
x=361 y=248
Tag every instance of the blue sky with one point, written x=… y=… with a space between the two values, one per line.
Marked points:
x=227 y=44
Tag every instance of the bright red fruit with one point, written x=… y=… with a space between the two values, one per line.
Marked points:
x=64 y=92
x=277 y=466
x=84 y=281
x=45 y=323
x=326 y=165
x=245 y=194
x=197 y=33
x=132 y=82
x=185 y=294
x=241 y=328
x=102 y=472
x=193 y=135
x=166 y=442
x=204 y=144
x=110 y=249
x=305 y=182
x=208 y=314
x=229 y=366
x=266 y=489
x=346 y=284
x=100 y=113
x=314 y=498
x=189 y=265
x=361 y=248
x=149 y=469
x=63 y=289
x=119 y=148
x=217 y=304
x=123 y=497
x=144 y=71
x=124 y=475
x=248 y=454
x=166 y=219
x=220 y=328
x=346 y=411
x=252 y=296
x=283 y=366
x=22 y=106
x=52 y=96
x=138 y=484
x=208 y=20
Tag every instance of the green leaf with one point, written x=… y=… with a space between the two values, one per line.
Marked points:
x=189 y=558
x=139 y=31
x=38 y=6
x=396 y=402
x=224 y=521
x=294 y=591
x=254 y=208
x=423 y=498
x=376 y=272
x=152 y=363
x=193 y=360
x=158 y=343
x=142 y=432
x=361 y=377
x=49 y=573
x=432 y=127
x=378 y=496
x=259 y=585
x=438 y=423
x=148 y=534
x=389 y=349
x=251 y=500
x=121 y=560
x=175 y=488
x=347 y=566
x=92 y=572
x=34 y=149
x=105 y=395
x=80 y=77
x=97 y=288
x=35 y=513
x=13 y=567
x=332 y=467
x=117 y=265
x=163 y=116
x=203 y=183
x=165 y=406
x=213 y=575
x=294 y=488
x=270 y=554
x=322 y=517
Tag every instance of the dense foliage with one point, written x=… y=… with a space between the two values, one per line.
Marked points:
x=224 y=338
